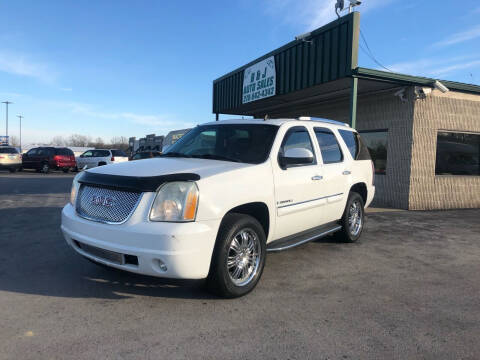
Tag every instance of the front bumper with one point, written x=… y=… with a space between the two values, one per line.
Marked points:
x=7 y=166
x=185 y=248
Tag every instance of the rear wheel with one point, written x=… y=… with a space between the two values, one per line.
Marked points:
x=12 y=170
x=65 y=170
x=239 y=256
x=45 y=168
x=353 y=219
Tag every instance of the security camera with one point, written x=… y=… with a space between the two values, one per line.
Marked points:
x=303 y=36
x=439 y=86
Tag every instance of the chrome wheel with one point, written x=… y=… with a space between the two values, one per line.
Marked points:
x=243 y=257
x=355 y=218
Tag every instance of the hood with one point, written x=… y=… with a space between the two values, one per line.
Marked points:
x=166 y=166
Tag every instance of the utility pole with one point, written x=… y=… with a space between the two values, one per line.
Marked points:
x=20 y=117
x=6 y=103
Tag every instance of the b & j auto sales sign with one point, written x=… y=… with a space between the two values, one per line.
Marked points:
x=259 y=81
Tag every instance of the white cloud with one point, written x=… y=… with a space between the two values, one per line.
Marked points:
x=312 y=13
x=434 y=67
x=20 y=64
x=459 y=37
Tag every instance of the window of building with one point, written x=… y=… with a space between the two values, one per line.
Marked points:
x=457 y=154
x=329 y=146
x=377 y=143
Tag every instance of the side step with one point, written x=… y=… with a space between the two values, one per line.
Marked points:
x=303 y=237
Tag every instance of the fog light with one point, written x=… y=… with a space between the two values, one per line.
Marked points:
x=162 y=265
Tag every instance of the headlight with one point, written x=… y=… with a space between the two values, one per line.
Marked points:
x=175 y=201
x=74 y=190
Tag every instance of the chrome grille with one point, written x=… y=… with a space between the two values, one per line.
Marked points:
x=106 y=205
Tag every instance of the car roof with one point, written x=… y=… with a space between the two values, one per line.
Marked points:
x=279 y=122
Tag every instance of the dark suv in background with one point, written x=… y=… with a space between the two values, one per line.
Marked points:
x=45 y=159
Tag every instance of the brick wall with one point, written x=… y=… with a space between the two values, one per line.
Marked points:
x=449 y=111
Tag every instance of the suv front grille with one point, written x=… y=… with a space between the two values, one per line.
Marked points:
x=106 y=205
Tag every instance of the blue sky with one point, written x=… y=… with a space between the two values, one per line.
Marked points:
x=110 y=68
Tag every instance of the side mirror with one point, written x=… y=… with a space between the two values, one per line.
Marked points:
x=296 y=156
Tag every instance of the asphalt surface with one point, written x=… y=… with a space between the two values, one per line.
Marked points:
x=410 y=289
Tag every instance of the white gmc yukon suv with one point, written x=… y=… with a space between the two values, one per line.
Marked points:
x=220 y=198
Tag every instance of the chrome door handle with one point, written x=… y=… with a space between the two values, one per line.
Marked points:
x=346 y=172
x=317 y=177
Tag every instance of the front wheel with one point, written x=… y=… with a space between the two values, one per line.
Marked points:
x=45 y=168
x=239 y=256
x=353 y=219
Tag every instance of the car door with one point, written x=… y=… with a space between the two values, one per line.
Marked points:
x=298 y=188
x=28 y=158
x=83 y=160
x=335 y=172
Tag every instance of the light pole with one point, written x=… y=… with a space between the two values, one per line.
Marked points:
x=6 y=103
x=20 y=117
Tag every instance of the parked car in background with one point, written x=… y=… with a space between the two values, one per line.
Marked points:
x=10 y=158
x=45 y=159
x=145 y=155
x=98 y=157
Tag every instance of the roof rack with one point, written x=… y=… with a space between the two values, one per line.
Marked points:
x=328 y=121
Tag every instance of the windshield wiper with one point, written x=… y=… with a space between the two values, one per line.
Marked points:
x=175 y=154
x=216 y=157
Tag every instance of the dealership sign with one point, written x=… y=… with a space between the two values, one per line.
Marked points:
x=3 y=140
x=259 y=81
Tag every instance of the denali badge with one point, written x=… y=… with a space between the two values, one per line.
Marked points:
x=102 y=201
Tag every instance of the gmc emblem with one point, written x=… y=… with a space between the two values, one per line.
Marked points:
x=102 y=201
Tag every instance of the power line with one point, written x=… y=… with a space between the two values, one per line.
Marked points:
x=369 y=53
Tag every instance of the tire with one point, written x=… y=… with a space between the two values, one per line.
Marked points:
x=12 y=170
x=352 y=233
x=102 y=163
x=45 y=168
x=239 y=237
x=65 y=170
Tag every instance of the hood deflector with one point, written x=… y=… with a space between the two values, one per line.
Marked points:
x=133 y=183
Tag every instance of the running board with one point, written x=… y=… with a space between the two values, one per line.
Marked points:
x=303 y=237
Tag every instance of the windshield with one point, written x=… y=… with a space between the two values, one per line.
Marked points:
x=246 y=143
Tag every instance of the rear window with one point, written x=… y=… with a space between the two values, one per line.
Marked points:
x=8 y=150
x=101 y=153
x=118 y=153
x=355 y=145
x=64 y=151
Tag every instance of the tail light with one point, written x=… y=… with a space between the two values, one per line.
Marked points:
x=112 y=159
x=2 y=157
x=373 y=173
x=56 y=158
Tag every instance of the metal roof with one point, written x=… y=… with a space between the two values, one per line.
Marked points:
x=328 y=53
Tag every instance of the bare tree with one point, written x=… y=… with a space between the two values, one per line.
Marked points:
x=78 y=140
x=14 y=141
x=58 y=141
x=98 y=143
x=119 y=142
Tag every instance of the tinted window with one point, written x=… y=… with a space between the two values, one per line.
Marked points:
x=118 y=153
x=457 y=154
x=297 y=137
x=101 y=153
x=45 y=151
x=351 y=141
x=88 y=153
x=32 y=152
x=329 y=147
x=8 y=150
x=377 y=143
x=142 y=155
x=247 y=143
x=63 y=151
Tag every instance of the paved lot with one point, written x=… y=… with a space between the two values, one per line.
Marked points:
x=409 y=290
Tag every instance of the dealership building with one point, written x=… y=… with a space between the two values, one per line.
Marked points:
x=423 y=134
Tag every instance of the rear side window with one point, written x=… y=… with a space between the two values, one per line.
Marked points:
x=64 y=151
x=356 y=146
x=101 y=153
x=8 y=150
x=118 y=153
x=329 y=146
x=45 y=152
